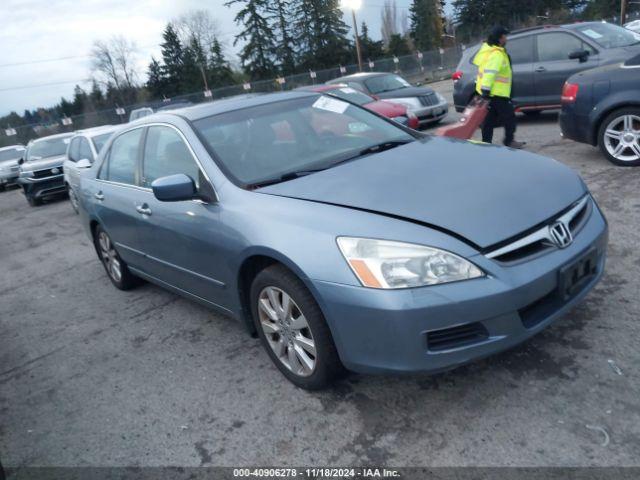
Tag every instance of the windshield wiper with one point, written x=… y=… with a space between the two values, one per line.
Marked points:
x=381 y=147
x=285 y=177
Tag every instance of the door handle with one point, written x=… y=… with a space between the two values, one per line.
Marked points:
x=98 y=196
x=143 y=209
x=541 y=69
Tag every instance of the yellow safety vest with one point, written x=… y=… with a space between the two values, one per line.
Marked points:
x=494 y=71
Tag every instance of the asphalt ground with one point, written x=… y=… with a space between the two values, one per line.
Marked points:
x=92 y=376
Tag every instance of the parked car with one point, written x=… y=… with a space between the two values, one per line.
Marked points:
x=41 y=172
x=544 y=57
x=430 y=107
x=601 y=107
x=9 y=157
x=633 y=26
x=139 y=113
x=394 y=111
x=81 y=153
x=372 y=247
x=174 y=106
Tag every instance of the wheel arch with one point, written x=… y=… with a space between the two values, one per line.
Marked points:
x=606 y=110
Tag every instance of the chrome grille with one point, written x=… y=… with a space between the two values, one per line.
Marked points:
x=428 y=100
x=48 y=172
x=541 y=240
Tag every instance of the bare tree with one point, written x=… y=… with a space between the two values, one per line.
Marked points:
x=113 y=62
x=389 y=21
x=198 y=24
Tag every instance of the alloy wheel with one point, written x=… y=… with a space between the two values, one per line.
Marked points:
x=622 y=138
x=287 y=331
x=110 y=257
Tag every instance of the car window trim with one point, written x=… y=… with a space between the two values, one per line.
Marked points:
x=566 y=32
x=141 y=156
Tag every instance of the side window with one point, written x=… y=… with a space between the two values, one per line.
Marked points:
x=85 y=150
x=74 y=147
x=521 y=50
x=557 y=46
x=165 y=153
x=121 y=165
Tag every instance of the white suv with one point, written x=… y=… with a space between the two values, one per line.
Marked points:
x=81 y=153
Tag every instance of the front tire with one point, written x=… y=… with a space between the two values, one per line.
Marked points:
x=619 y=137
x=293 y=330
x=116 y=268
x=33 y=201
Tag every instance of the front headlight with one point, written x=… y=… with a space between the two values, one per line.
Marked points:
x=387 y=264
x=440 y=98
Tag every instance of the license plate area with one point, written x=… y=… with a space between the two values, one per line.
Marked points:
x=573 y=277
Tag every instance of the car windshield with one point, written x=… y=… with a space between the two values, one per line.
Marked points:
x=386 y=83
x=267 y=143
x=351 y=94
x=47 y=148
x=609 y=36
x=100 y=140
x=11 y=154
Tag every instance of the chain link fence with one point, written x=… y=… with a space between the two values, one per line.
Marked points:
x=418 y=67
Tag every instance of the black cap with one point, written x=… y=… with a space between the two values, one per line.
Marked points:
x=496 y=33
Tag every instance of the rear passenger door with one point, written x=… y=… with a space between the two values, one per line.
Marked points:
x=181 y=239
x=553 y=65
x=522 y=52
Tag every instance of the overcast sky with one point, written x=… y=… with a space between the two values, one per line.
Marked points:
x=38 y=30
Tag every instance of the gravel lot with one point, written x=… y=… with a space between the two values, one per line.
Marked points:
x=93 y=376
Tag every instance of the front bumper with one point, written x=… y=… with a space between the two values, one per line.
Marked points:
x=8 y=177
x=431 y=113
x=43 y=187
x=378 y=331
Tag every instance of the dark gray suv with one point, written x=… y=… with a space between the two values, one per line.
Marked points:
x=544 y=57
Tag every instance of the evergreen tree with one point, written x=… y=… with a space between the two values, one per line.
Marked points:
x=371 y=49
x=156 y=83
x=398 y=45
x=172 y=57
x=321 y=35
x=194 y=63
x=426 y=24
x=220 y=73
x=285 y=55
x=80 y=101
x=258 y=54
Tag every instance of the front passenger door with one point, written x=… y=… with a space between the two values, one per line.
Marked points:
x=554 y=65
x=180 y=239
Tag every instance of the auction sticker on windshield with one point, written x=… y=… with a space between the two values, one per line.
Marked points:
x=330 y=104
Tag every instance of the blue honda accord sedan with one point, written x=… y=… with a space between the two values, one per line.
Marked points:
x=340 y=238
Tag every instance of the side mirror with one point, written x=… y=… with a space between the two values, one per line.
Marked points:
x=582 y=55
x=174 y=188
x=20 y=161
x=83 y=163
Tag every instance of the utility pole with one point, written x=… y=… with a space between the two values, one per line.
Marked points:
x=623 y=12
x=204 y=78
x=355 y=29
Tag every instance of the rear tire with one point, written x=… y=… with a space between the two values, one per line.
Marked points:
x=293 y=330
x=116 y=268
x=619 y=137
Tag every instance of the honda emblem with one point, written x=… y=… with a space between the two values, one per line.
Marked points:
x=560 y=234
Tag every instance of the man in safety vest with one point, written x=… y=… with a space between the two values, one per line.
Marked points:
x=494 y=84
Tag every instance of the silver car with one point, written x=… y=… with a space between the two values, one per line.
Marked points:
x=41 y=169
x=9 y=166
x=81 y=153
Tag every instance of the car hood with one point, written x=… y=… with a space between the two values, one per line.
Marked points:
x=386 y=108
x=481 y=192
x=8 y=163
x=406 y=92
x=43 y=163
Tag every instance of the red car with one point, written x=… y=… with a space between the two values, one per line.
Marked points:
x=391 y=110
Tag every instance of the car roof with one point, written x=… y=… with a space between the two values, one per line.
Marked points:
x=17 y=146
x=57 y=135
x=196 y=112
x=323 y=87
x=359 y=76
x=93 y=131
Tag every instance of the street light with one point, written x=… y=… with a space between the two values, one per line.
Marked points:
x=354 y=5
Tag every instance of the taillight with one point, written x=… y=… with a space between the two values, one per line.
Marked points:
x=569 y=92
x=456 y=76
